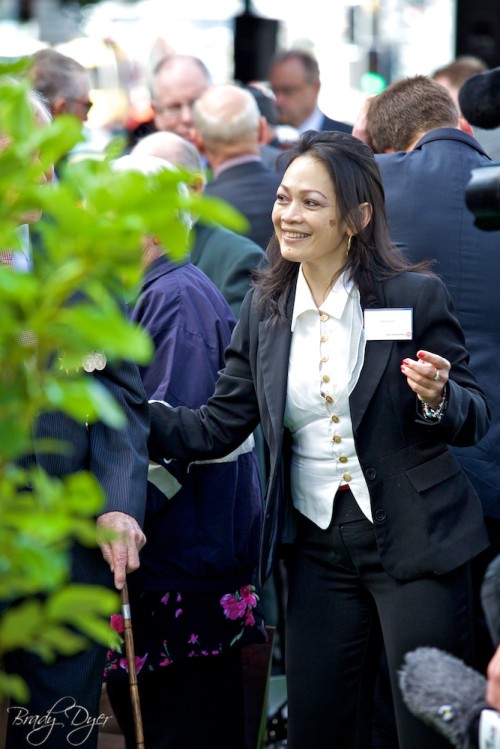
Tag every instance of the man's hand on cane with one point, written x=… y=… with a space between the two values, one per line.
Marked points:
x=120 y=538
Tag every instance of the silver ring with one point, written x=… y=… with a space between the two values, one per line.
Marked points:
x=437 y=376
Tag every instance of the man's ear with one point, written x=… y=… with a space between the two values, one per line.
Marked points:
x=197 y=184
x=262 y=130
x=465 y=126
x=198 y=140
x=59 y=107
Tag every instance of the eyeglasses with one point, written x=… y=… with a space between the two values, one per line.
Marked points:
x=85 y=104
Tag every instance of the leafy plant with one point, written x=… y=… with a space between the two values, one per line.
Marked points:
x=90 y=253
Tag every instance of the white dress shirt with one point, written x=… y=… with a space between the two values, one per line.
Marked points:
x=313 y=122
x=326 y=357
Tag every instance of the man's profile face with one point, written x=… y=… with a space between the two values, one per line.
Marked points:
x=176 y=88
x=296 y=96
x=79 y=104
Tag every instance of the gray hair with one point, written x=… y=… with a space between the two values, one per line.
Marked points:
x=40 y=108
x=55 y=75
x=171 y=147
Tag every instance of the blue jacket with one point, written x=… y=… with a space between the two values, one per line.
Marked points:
x=428 y=218
x=207 y=535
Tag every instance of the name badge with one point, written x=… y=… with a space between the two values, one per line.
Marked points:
x=389 y=324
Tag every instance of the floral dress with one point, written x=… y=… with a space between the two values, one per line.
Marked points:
x=170 y=626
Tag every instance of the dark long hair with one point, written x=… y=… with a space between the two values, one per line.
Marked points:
x=356 y=179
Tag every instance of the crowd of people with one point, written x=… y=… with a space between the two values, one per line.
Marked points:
x=323 y=409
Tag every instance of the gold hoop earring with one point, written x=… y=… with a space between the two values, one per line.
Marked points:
x=348 y=245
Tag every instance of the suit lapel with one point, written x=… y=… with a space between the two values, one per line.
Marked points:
x=274 y=344
x=377 y=355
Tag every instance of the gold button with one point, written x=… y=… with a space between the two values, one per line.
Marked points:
x=329 y=399
x=324 y=359
x=336 y=439
x=323 y=338
x=323 y=317
x=347 y=477
x=326 y=378
x=335 y=419
x=343 y=459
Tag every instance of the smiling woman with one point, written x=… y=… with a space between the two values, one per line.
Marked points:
x=309 y=227
x=379 y=521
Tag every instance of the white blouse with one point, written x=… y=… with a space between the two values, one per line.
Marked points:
x=326 y=357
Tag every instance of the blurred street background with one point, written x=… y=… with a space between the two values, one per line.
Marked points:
x=360 y=46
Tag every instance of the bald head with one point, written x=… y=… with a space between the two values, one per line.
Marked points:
x=227 y=123
x=171 y=147
x=176 y=150
x=227 y=113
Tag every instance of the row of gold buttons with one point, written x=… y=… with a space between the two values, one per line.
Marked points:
x=325 y=379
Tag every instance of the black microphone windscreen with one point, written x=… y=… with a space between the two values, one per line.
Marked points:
x=490 y=599
x=479 y=99
x=445 y=693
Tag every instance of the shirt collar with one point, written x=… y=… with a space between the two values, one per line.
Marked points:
x=235 y=161
x=313 y=122
x=333 y=305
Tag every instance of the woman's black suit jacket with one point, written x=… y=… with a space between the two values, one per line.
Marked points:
x=427 y=516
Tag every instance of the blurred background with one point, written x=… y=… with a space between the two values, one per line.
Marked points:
x=360 y=46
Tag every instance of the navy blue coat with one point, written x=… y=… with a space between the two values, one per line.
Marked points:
x=428 y=218
x=329 y=124
x=206 y=537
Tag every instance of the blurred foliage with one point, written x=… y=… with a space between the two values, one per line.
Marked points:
x=89 y=255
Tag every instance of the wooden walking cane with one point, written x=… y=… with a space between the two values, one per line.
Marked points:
x=132 y=672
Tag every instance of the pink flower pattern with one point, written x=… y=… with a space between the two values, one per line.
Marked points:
x=236 y=608
x=239 y=605
x=167 y=660
x=139 y=663
x=116 y=622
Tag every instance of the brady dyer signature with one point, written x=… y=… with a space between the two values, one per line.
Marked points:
x=65 y=717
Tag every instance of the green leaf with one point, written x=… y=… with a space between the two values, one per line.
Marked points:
x=87 y=608
x=19 y=625
x=13 y=686
x=88 y=246
x=85 y=401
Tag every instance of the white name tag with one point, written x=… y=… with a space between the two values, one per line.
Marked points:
x=389 y=324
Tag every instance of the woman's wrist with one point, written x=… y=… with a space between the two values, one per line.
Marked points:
x=434 y=410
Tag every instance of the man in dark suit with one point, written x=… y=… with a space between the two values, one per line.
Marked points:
x=227 y=131
x=295 y=81
x=425 y=183
x=71 y=685
x=226 y=257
